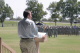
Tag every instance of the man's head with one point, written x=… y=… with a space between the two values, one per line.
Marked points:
x=27 y=14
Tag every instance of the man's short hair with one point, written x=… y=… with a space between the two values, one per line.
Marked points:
x=25 y=14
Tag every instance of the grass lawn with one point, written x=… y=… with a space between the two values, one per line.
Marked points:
x=61 y=24
x=14 y=24
x=61 y=44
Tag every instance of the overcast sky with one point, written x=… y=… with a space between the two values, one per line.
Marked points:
x=18 y=6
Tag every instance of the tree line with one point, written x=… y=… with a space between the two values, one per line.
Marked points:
x=65 y=9
x=59 y=10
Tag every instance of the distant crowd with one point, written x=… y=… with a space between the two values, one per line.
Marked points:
x=59 y=30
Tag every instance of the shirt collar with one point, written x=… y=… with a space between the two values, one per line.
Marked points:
x=28 y=19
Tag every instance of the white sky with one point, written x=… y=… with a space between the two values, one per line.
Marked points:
x=18 y=6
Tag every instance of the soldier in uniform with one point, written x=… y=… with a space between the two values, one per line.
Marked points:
x=55 y=32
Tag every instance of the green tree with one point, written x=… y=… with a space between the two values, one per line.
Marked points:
x=5 y=11
x=2 y=12
x=69 y=9
x=36 y=8
x=9 y=11
x=54 y=10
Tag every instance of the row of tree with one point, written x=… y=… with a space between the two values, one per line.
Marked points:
x=5 y=11
x=67 y=9
x=59 y=10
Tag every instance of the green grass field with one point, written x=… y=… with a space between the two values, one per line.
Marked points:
x=14 y=24
x=62 y=24
x=61 y=44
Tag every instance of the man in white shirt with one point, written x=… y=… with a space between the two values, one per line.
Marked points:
x=28 y=33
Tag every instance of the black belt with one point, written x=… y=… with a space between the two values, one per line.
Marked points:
x=26 y=38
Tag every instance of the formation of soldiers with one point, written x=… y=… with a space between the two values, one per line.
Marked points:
x=59 y=30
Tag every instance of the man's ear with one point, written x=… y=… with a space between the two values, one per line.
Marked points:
x=28 y=15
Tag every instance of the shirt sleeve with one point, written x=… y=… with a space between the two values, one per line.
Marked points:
x=34 y=29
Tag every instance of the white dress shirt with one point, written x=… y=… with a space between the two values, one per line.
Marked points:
x=27 y=29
